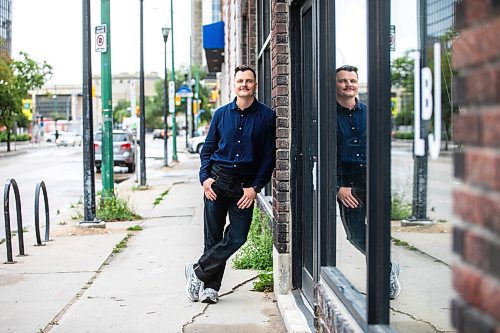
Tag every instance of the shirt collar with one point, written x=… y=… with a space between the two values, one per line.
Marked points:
x=356 y=106
x=252 y=107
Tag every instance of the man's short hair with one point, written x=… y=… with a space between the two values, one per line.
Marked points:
x=244 y=68
x=348 y=68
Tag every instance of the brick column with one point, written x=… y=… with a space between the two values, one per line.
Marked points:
x=476 y=239
x=281 y=104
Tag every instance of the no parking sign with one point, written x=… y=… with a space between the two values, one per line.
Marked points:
x=101 y=44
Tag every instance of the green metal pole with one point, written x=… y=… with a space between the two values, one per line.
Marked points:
x=107 y=108
x=174 y=125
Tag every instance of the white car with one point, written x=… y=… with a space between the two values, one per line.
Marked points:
x=51 y=136
x=196 y=143
x=69 y=139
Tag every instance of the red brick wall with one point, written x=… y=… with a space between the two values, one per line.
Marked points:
x=476 y=239
x=281 y=104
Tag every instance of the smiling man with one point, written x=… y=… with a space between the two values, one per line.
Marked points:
x=237 y=160
x=351 y=165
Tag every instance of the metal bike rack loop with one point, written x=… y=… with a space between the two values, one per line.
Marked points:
x=8 y=236
x=41 y=185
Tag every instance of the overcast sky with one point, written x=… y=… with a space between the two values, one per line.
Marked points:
x=51 y=31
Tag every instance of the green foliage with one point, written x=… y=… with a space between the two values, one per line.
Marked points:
x=18 y=137
x=400 y=207
x=403 y=135
x=257 y=253
x=122 y=244
x=122 y=109
x=135 y=228
x=115 y=209
x=160 y=197
x=265 y=282
x=17 y=77
x=402 y=72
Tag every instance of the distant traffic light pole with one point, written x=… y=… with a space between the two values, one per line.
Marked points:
x=107 y=108
x=165 y=31
x=172 y=91
x=142 y=103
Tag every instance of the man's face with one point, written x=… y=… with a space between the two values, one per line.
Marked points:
x=244 y=84
x=347 y=84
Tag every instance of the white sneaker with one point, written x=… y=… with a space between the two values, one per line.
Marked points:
x=394 y=285
x=209 y=295
x=193 y=283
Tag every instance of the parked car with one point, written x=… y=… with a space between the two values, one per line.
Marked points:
x=51 y=136
x=196 y=143
x=69 y=139
x=160 y=134
x=124 y=150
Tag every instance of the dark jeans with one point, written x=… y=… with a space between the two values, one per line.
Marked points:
x=220 y=244
x=354 y=218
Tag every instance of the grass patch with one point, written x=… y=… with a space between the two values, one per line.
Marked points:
x=160 y=197
x=265 y=282
x=135 y=228
x=257 y=253
x=115 y=209
x=400 y=207
x=399 y=242
x=122 y=244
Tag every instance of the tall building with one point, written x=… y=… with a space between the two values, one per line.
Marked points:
x=6 y=27
x=196 y=32
x=440 y=17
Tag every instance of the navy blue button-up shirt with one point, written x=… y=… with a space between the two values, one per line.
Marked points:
x=351 y=139
x=242 y=142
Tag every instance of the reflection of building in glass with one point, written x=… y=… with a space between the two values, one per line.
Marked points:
x=440 y=18
x=215 y=10
x=6 y=27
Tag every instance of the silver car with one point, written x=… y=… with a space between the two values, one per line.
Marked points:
x=124 y=150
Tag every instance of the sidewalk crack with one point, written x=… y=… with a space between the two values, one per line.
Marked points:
x=80 y=293
x=412 y=316
x=193 y=319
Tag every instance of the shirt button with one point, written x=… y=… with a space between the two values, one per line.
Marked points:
x=352 y=127
x=241 y=115
x=237 y=155
x=239 y=141
x=239 y=128
x=355 y=141
x=356 y=155
x=234 y=165
x=350 y=114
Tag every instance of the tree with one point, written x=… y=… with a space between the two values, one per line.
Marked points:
x=402 y=76
x=18 y=77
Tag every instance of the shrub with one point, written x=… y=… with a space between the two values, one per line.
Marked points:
x=257 y=253
x=400 y=207
x=115 y=209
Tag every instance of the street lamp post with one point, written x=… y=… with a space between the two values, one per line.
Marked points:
x=142 y=103
x=174 y=125
x=165 y=31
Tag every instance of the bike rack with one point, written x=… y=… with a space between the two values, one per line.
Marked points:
x=8 y=236
x=41 y=185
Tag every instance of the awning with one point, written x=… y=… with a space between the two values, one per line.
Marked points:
x=213 y=43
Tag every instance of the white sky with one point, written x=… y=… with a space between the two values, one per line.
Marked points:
x=51 y=31
x=352 y=32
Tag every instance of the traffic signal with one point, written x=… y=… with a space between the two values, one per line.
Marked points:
x=177 y=100
x=137 y=110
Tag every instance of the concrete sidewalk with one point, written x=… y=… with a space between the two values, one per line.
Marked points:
x=77 y=284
